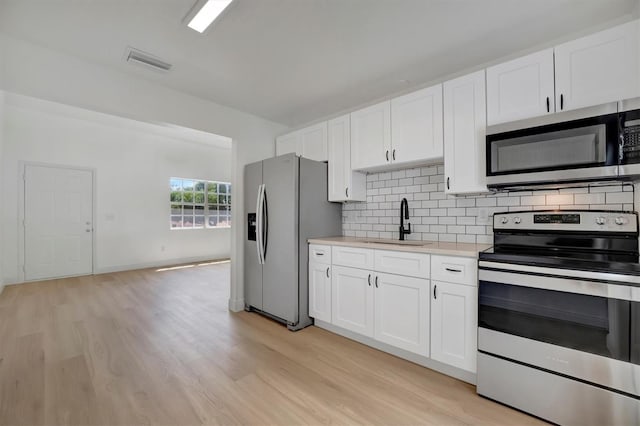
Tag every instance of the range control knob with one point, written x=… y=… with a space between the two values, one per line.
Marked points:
x=621 y=220
x=504 y=220
x=601 y=220
x=517 y=220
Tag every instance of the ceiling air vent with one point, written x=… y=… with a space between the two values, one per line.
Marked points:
x=138 y=57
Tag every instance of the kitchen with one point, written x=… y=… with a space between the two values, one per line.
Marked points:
x=453 y=239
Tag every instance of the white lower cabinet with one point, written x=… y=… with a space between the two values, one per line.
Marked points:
x=454 y=324
x=402 y=312
x=352 y=299
x=401 y=307
x=320 y=291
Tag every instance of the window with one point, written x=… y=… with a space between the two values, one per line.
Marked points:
x=199 y=204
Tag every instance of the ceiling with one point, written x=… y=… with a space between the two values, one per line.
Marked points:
x=294 y=61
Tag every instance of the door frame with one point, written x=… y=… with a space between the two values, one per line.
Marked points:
x=22 y=169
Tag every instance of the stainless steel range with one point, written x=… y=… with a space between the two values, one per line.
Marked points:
x=559 y=316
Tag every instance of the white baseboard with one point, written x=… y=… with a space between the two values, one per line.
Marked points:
x=158 y=264
x=465 y=376
x=134 y=266
x=236 y=305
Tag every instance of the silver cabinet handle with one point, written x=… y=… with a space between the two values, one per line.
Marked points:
x=393 y=155
x=387 y=155
x=434 y=291
x=369 y=280
x=376 y=281
x=346 y=192
x=453 y=270
x=327 y=272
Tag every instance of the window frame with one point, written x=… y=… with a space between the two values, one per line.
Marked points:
x=209 y=209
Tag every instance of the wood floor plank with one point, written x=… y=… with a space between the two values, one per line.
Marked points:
x=22 y=391
x=159 y=346
x=80 y=407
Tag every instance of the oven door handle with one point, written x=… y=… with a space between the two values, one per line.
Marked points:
x=559 y=283
x=569 y=273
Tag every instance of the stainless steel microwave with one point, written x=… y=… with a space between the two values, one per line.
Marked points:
x=596 y=148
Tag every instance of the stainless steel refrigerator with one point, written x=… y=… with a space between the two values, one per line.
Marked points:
x=285 y=199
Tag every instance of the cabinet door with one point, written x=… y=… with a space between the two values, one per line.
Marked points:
x=287 y=143
x=352 y=299
x=416 y=127
x=320 y=291
x=402 y=312
x=313 y=142
x=522 y=88
x=465 y=120
x=599 y=68
x=371 y=136
x=454 y=324
x=344 y=184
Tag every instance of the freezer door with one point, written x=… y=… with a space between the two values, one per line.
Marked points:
x=280 y=269
x=252 y=266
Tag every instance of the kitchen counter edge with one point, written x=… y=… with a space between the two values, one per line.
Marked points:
x=441 y=248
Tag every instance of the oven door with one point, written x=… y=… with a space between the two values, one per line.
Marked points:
x=584 y=149
x=578 y=325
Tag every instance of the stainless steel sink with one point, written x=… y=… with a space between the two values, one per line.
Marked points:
x=398 y=242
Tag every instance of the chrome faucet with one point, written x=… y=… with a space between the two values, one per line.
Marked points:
x=404 y=214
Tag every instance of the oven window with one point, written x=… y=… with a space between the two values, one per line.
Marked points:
x=582 y=146
x=587 y=323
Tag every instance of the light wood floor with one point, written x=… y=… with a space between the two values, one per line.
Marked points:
x=160 y=347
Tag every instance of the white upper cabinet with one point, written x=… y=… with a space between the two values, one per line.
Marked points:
x=465 y=124
x=313 y=142
x=344 y=184
x=600 y=68
x=371 y=136
x=520 y=89
x=310 y=142
x=287 y=143
x=416 y=127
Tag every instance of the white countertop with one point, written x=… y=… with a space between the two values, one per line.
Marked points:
x=444 y=248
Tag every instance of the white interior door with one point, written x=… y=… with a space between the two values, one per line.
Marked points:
x=58 y=222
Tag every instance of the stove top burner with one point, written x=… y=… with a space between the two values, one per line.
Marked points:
x=590 y=241
x=584 y=261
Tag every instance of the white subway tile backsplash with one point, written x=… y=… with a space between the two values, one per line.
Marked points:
x=619 y=197
x=533 y=200
x=560 y=199
x=487 y=202
x=435 y=216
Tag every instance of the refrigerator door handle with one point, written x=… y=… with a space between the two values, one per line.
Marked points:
x=259 y=224
x=265 y=225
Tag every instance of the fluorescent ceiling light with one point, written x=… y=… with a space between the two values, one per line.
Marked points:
x=209 y=12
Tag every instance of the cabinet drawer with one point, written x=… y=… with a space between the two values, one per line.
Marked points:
x=402 y=263
x=320 y=254
x=352 y=256
x=459 y=270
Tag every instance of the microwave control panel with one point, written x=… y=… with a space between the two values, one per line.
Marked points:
x=631 y=142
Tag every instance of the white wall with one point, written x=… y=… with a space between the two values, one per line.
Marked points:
x=133 y=163
x=47 y=74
